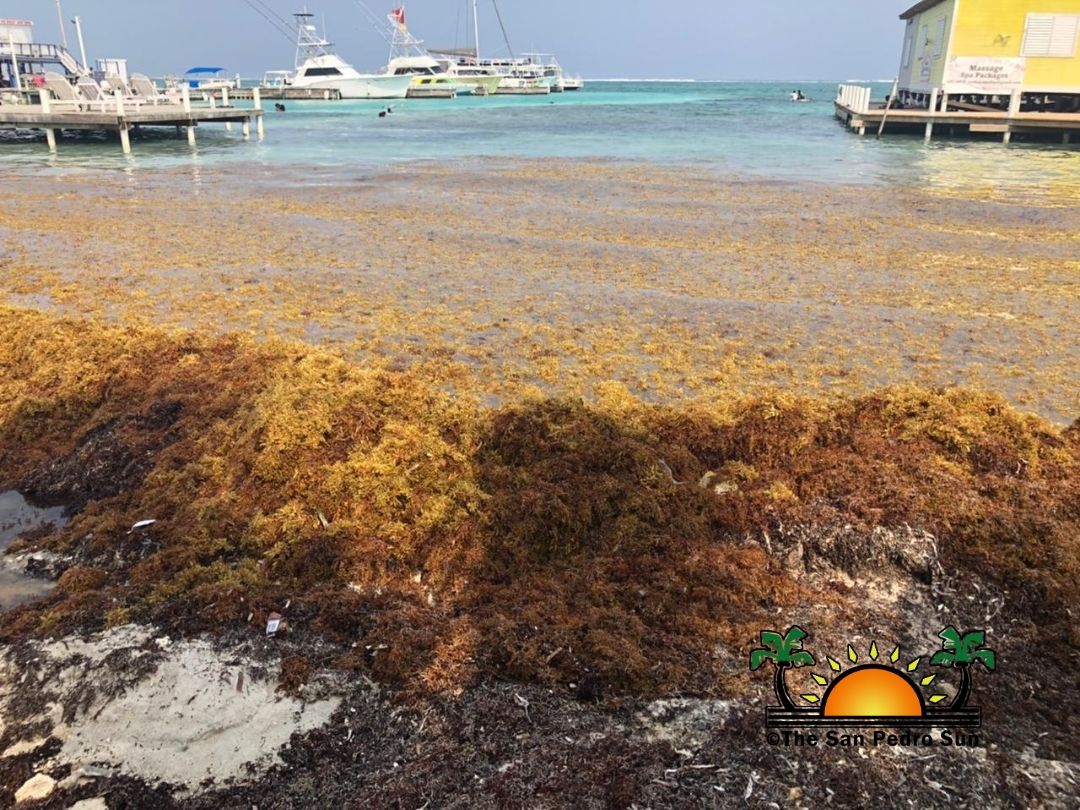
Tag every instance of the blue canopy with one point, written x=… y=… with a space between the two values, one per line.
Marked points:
x=204 y=70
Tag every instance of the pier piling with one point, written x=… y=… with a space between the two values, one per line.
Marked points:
x=46 y=108
x=256 y=98
x=933 y=112
x=125 y=135
x=1015 y=100
x=122 y=114
x=225 y=103
x=958 y=114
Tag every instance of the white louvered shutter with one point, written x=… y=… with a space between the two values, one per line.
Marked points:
x=1051 y=35
x=1063 y=39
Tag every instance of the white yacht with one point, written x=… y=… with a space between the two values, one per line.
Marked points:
x=319 y=68
x=549 y=69
x=523 y=76
x=524 y=84
x=481 y=81
x=529 y=74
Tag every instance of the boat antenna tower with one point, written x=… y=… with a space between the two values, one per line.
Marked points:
x=308 y=41
x=402 y=42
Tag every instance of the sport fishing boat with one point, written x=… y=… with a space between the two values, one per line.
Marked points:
x=434 y=78
x=319 y=68
x=408 y=58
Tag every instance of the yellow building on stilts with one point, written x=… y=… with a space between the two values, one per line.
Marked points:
x=982 y=68
x=998 y=51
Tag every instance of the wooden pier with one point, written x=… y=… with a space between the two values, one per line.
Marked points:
x=854 y=108
x=125 y=115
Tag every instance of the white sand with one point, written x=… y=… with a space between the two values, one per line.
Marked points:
x=184 y=723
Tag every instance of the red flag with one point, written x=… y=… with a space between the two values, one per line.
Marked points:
x=398 y=16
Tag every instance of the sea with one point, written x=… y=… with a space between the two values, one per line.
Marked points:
x=734 y=129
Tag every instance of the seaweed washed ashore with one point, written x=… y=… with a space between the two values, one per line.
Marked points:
x=531 y=279
x=487 y=604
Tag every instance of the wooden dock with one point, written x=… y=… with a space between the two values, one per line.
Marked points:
x=123 y=115
x=270 y=94
x=854 y=108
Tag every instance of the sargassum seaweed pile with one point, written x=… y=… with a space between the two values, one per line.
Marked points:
x=545 y=540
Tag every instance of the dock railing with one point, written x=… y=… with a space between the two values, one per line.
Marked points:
x=854 y=97
x=61 y=106
x=38 y=51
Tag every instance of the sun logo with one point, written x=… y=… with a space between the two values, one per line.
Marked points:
x=878 y=690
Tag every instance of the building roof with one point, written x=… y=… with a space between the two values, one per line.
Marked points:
x=918 y=8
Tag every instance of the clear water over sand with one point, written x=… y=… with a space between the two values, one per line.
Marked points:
x=18 y=517
x=749 y=129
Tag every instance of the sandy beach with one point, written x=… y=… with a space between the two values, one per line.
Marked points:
x=527 y=455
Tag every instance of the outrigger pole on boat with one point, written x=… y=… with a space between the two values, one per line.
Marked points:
x=377 y=21
x=277 y=22
x=60 y=20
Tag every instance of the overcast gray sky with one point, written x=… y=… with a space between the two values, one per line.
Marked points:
x=701 y=39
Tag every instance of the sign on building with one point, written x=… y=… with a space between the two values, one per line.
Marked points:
x=19 y=31
x=989 y=74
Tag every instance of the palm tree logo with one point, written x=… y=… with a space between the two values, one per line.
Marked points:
x=878 y=690
x=960 y=652
x=785 y=652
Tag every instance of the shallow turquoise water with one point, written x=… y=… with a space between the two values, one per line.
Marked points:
x=747 y=130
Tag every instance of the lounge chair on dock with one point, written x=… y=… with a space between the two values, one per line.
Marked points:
x=116 y=85
x=109 y=94
x=147 y=91
x=65 y=94
x=91 y=92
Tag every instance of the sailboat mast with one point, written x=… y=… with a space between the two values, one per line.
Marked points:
x=506 y=37
x=476 y=28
